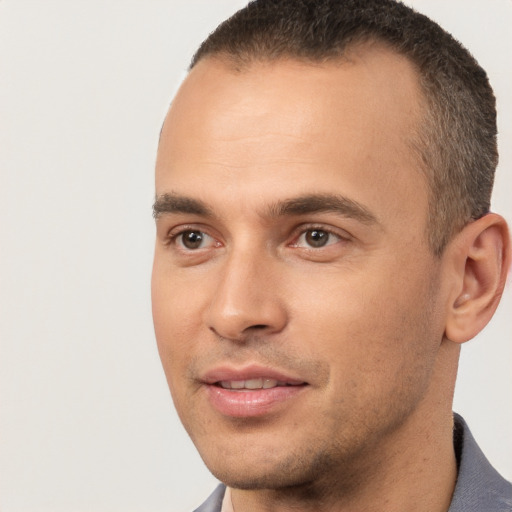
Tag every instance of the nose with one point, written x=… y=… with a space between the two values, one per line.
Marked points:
x=246 y=300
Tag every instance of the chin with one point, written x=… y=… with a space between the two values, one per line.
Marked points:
x=256 y=479
x=277 y=471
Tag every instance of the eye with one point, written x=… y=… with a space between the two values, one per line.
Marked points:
x=316 y=238
x=192 y=239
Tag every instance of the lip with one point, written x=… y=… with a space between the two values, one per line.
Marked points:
x=250 y=403
x=248 y=372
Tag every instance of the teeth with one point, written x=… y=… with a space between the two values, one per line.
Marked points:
x=251 y=384
x=254 y=383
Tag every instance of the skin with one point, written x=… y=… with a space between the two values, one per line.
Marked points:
x=362 y=319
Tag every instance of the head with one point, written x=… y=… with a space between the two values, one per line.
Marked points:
x=322 y=244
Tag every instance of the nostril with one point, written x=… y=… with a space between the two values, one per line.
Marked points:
x=258 y=326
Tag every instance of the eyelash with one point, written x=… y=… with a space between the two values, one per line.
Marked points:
x=173 y=238
x=303 y=230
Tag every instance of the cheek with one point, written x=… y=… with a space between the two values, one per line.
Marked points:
x=171 y=320
x=371 y=326
x=175 y=319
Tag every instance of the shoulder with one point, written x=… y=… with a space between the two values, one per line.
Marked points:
x=479 y=488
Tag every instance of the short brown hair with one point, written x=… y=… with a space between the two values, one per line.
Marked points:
x=456 y=141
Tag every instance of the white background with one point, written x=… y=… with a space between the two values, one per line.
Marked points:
x=86 y=421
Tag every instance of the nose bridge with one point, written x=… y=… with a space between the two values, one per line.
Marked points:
x=247 y=296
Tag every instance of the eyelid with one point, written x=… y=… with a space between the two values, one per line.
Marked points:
x=175 y=232
x=303 y=228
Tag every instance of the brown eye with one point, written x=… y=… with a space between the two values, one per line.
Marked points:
x=316 y=237
x=193 y=239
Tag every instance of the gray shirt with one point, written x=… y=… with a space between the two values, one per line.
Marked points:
x=479 y=487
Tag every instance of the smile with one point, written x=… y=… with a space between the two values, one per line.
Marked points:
x=252 y=384
x=251 y=391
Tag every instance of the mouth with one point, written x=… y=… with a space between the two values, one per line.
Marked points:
x=251 y=392
x=252 y=384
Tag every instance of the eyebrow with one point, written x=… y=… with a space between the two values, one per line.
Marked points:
x=174 y=203
x=301 y=205
x=319 y=203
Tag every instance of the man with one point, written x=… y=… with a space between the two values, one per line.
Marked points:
x=324 y=247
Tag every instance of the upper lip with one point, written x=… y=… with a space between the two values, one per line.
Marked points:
x=254 y=371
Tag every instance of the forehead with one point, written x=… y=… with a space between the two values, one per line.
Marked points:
x=370 y=72
x=295 y=125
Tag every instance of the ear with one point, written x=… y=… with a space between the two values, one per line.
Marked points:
x=481 y=257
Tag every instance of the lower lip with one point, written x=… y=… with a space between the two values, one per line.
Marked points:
x=250 y=403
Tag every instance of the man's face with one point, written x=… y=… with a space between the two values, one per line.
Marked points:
x=296 y=303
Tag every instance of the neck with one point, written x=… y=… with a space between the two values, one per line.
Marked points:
x=414 y=468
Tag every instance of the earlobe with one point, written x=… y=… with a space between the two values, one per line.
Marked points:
x=481 y=260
